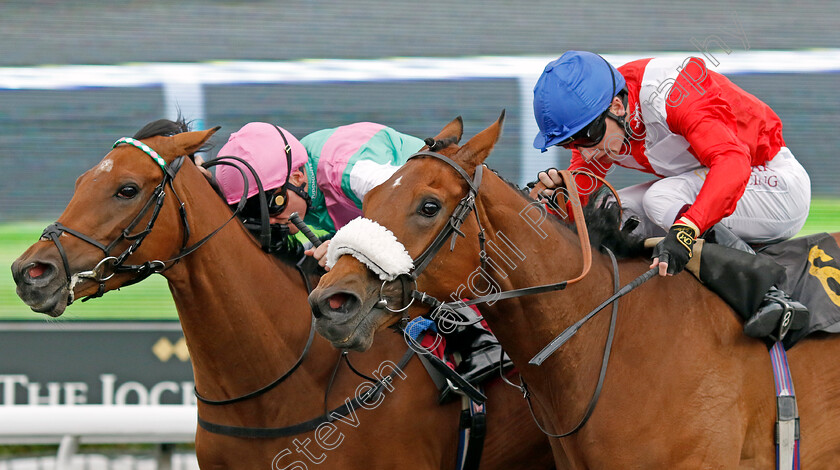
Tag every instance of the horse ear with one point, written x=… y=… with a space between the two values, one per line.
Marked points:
x=187 y=143
x=451 y=133
x=476 y=150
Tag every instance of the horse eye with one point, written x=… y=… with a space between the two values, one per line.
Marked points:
x=127 y=192
x=429 y=208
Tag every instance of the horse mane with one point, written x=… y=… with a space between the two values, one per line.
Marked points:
x=603 y=223
x=164 y=127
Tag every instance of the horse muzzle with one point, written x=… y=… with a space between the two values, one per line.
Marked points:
x=343 y=318
x=41 y=284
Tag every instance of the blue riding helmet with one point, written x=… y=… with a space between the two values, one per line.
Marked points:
x=572 y=91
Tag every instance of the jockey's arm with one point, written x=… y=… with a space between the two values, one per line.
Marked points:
x=708 y=124
x=204 y=171
x=706 y=120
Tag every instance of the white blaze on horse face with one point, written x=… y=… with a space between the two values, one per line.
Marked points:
x=397 y=182
x=105 y=166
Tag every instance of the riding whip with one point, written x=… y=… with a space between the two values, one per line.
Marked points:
x=295 y=219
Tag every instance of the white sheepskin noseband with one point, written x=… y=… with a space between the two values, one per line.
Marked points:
x=373 y=245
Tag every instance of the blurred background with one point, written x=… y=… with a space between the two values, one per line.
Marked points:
x=77 y=75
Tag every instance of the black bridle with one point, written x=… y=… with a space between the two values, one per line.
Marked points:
x=155 y=203
x=466 y=205
x=459 y=215
x=117 y=263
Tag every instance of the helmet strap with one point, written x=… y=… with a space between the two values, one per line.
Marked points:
x=301 y=191
x=624 y=100
x=622 y=120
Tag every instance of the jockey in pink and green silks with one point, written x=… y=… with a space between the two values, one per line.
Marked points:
x=331 y=171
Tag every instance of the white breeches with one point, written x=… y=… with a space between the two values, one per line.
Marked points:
x=773 y=208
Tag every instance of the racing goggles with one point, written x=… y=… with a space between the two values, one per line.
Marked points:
x=589 y=136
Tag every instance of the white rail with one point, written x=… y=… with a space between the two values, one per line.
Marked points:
x=70 y=426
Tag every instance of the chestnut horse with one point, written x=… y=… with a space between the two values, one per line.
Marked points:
x=246 y=321
x=685 y=388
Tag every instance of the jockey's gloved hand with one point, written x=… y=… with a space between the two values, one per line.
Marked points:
x=551 y=181
x=676 y=248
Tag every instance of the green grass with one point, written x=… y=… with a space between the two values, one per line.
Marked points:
x=824 y=216
x=151 y=300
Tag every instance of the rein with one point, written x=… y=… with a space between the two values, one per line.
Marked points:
x=348 y=407
x=601 y=375
x=537 y=188
x=328 y=416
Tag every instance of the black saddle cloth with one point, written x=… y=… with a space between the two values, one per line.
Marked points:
x=812 y=276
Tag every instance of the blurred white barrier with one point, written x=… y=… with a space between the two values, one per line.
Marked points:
x=183 y=83
x=70 y=426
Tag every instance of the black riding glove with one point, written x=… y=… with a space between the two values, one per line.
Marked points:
x=676 y=248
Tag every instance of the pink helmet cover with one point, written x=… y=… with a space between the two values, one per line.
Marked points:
x=261 y=145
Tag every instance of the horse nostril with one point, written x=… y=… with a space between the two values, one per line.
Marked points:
x=332 y=305
x=36 y=273
x=37 y=270
x=336 y=301
x=342 y=303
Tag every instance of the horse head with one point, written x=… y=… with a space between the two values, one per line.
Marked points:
x=354 y=301
x=104 y=238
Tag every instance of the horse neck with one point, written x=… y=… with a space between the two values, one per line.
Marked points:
x=525 y=252
x=244 y=314
x=527 y=243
